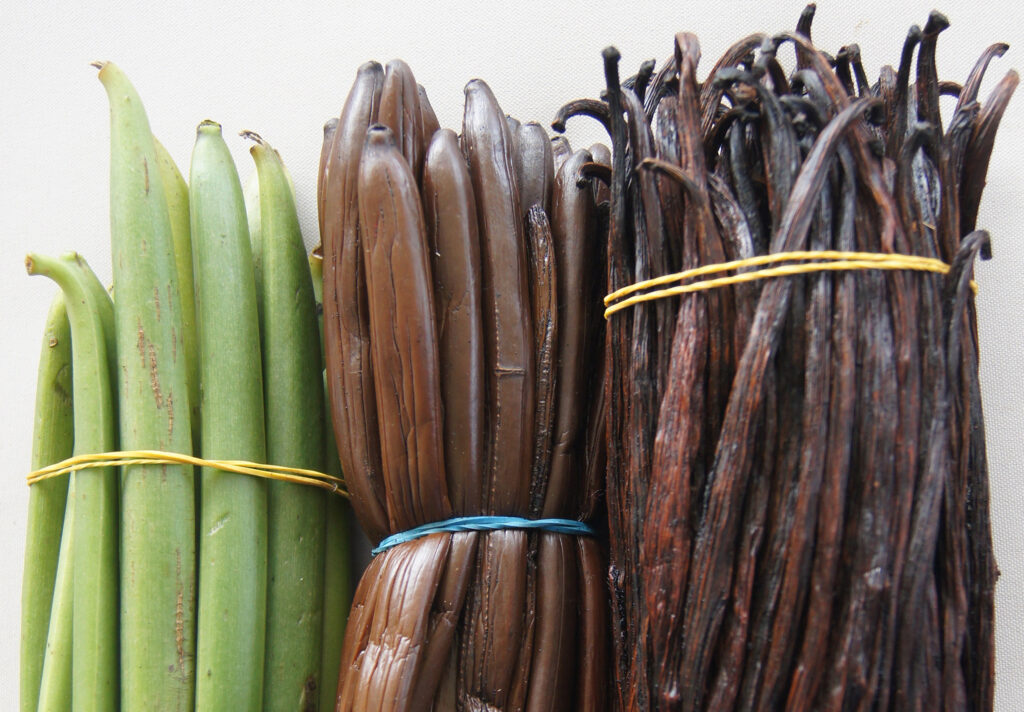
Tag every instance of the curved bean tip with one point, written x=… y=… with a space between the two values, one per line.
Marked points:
x=252 y=136
x=725 y=77
x=986 y=247
x=770 y=45
x=937 y=22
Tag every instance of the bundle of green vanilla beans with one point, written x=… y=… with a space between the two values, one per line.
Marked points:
x=155 y=580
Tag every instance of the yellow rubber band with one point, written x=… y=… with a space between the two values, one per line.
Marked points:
x=121 y=458
x=835 y=261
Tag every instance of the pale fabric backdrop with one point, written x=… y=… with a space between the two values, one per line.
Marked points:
x=283 y=69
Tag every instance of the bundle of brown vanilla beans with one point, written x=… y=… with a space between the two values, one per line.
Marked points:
x=779 y=402
x=464 y=338
x=797 y=483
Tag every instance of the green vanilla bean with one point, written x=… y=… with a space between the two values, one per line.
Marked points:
x=337 y=555
x=157 y=501
x=94 y=648
x=54 y=687
x=52 y=440
x=55 y=684
x=337 y=575
x=293 y=396
x=251 y=193
x=233 y=526
x=176 y=192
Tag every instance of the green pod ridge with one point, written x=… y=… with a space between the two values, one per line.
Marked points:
x=104 y=305
x=251 y=193
x=337 y=555
x=94 y=648
x=176 y=193
x=157 y=501
x=293 y=395
x=52 y=441
x=337 y=572
x=233 y=527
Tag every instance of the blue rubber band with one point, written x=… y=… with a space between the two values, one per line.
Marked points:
x=484 y=524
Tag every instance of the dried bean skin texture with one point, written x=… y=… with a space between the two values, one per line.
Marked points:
x=792 y=461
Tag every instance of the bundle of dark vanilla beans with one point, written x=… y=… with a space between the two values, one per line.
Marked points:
x=462 y=286
x=797 y=491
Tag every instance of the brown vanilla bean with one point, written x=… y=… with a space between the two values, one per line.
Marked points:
x=346 y=315
x=427 y=118
x=451 y=221
x=593 y=683
x=400 y=111
x=403 y=334
x=321 y=175
x=535 y=166
x=980 y=149
x=553 y=667
x=544 y=299
x=560 y=150
x=602 y=156
x=491 y=652
x=503 y=587
x=409 y=580
x=572 y=216
x=444 y=617
x=508 y=334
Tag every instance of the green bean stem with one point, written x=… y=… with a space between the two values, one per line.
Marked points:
x=233 y=528
x=293 y=390
x=157 y=501
x=52 y=441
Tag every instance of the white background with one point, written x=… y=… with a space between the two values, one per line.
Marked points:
x=283 y=69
